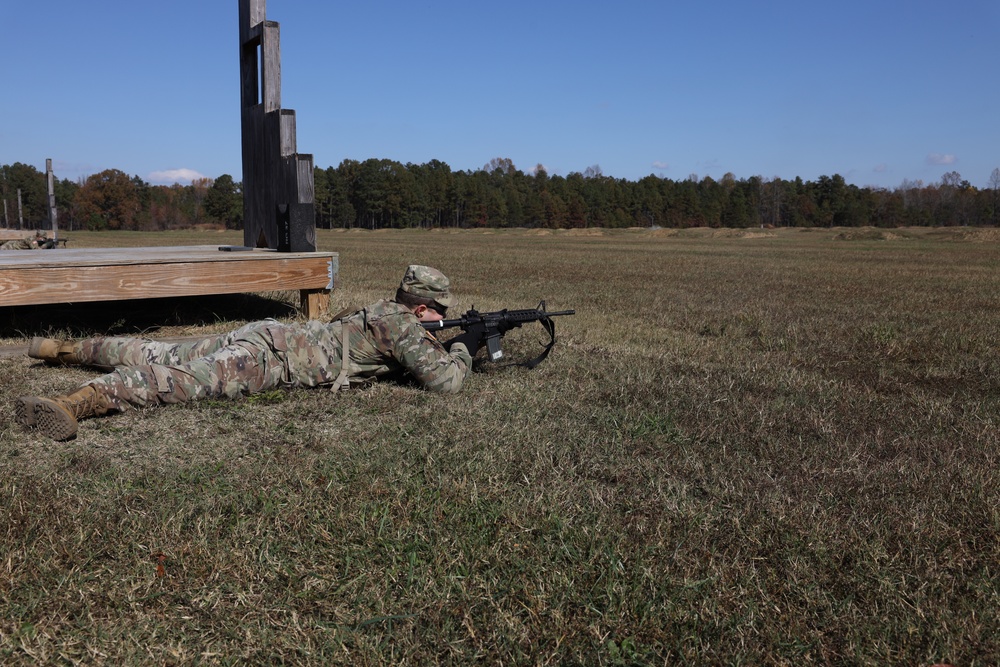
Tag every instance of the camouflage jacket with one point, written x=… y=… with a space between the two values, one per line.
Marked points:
x=19 y=244
x=384 y=339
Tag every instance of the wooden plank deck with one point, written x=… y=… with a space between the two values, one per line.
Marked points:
x=31 y=277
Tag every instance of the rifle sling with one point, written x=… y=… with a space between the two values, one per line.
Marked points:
x=550 y=328
x=343 y=380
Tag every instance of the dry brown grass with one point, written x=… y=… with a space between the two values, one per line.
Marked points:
x=777 y=450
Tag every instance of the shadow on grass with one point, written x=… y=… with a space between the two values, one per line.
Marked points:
x=136 y=316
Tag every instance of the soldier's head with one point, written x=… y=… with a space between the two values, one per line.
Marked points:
x=425 y=291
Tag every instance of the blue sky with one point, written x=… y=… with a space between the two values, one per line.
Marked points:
x=873 y=90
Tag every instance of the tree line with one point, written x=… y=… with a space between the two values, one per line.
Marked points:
x=114 y=200
x=380 y=193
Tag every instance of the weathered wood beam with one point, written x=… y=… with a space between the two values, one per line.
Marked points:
x=270 y=48
x=252 y=12
x=52 y=199
x=278 y=192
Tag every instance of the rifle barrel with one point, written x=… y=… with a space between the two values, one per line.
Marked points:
x=528 y=314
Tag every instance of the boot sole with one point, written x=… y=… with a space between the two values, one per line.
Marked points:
x=24 y=411
x=53 y=420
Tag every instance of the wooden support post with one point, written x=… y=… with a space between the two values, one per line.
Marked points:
x=20 y=211
x=52 y=200
x=315 y=304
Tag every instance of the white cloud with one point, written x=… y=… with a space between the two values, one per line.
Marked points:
x=939 y=159
x=171 y=176
x=661 y=165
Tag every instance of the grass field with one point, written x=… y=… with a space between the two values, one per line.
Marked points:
x=775 y=447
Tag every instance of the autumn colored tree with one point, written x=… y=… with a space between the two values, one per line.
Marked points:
x=504 y=165
x=108 y=200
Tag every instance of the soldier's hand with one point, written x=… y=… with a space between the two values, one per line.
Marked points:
x=473 y=338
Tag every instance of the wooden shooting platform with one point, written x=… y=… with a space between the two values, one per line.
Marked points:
x=32 y=277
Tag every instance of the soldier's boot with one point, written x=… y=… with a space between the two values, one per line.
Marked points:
x=53 y=351
x=58 y=417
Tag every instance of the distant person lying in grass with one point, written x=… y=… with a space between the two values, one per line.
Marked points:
x=384 y=339
x=36 y=242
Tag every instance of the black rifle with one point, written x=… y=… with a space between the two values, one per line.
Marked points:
x=500 y=322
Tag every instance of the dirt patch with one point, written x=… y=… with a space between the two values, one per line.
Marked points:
x=968 y=234
x=741 y=234
x=865 y=234
x=13 y=351
x=588 y=231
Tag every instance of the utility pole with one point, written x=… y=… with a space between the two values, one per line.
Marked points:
x=6 y=222
x=52 y=199
x=20 y=212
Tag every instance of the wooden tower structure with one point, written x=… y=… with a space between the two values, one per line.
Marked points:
x=278 y=197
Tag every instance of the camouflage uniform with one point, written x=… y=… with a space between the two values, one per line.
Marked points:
x=39 y=240
x=19 y=244
x=384 y=339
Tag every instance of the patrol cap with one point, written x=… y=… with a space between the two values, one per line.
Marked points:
x=429 y=283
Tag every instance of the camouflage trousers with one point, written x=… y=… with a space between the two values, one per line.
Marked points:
x=260 y=356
